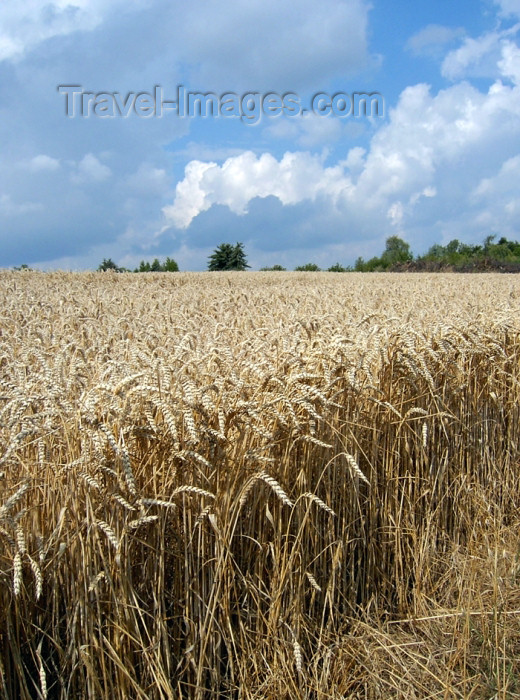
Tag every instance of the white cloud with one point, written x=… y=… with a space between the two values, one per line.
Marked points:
x=395 y=214
x=425 y=162
x=425 y=133
x=10 y=46
x=190 y=196
x=308 y=131
x=509 y=64
x=197 y=150
x=505 y=181
x=10 y=208
x=43 y=163
x=26 y=24
x=509 y=7
x=496 y=200
x=479 y=57
x=426 y=192
x=355 y=160
x=428 y=132
x=147 y=180
x=476 y=57
x=90 y=169
x=268 y=45
x=432 y=39
x=295 y=178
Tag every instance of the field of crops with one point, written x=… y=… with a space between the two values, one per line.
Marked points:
x=259 y=485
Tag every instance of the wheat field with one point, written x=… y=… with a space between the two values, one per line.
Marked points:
x=259 y=485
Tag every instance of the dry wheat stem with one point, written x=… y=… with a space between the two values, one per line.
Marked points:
x=195 y=467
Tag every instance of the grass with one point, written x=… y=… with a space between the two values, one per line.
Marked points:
x=259 y=485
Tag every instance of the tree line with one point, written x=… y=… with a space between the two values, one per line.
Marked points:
x=169 y=265
x=502 y=256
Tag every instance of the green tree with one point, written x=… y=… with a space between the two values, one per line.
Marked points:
x=274 y=268
x=396 y=251
x=338 y=268
x=488 y=240
x=228 y=257
x=108 y=264
x=374 y=264
x=170 y=265
x=238 y=258
x=436 y=252
x=308 y=267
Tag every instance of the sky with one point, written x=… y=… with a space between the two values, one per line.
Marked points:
x=111 y=168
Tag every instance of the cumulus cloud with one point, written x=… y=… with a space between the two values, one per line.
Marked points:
x=24 y=25
x=355 y=160
x=44 y=163
x=478 y=57
x=427 y=192
x=497 y=199
x=432 y=39
x=147 y=180
x=509 y=7
x=90 y=169
x=296 y=177
x=409 y=177
x=10 y=208
x=509 y=64
x=395 y=214
x=131 y=45
x=267 y=45
x=309 y=131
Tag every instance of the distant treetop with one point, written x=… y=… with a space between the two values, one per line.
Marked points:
x=228 y=257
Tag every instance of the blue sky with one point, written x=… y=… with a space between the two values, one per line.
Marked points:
x=442 y=162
